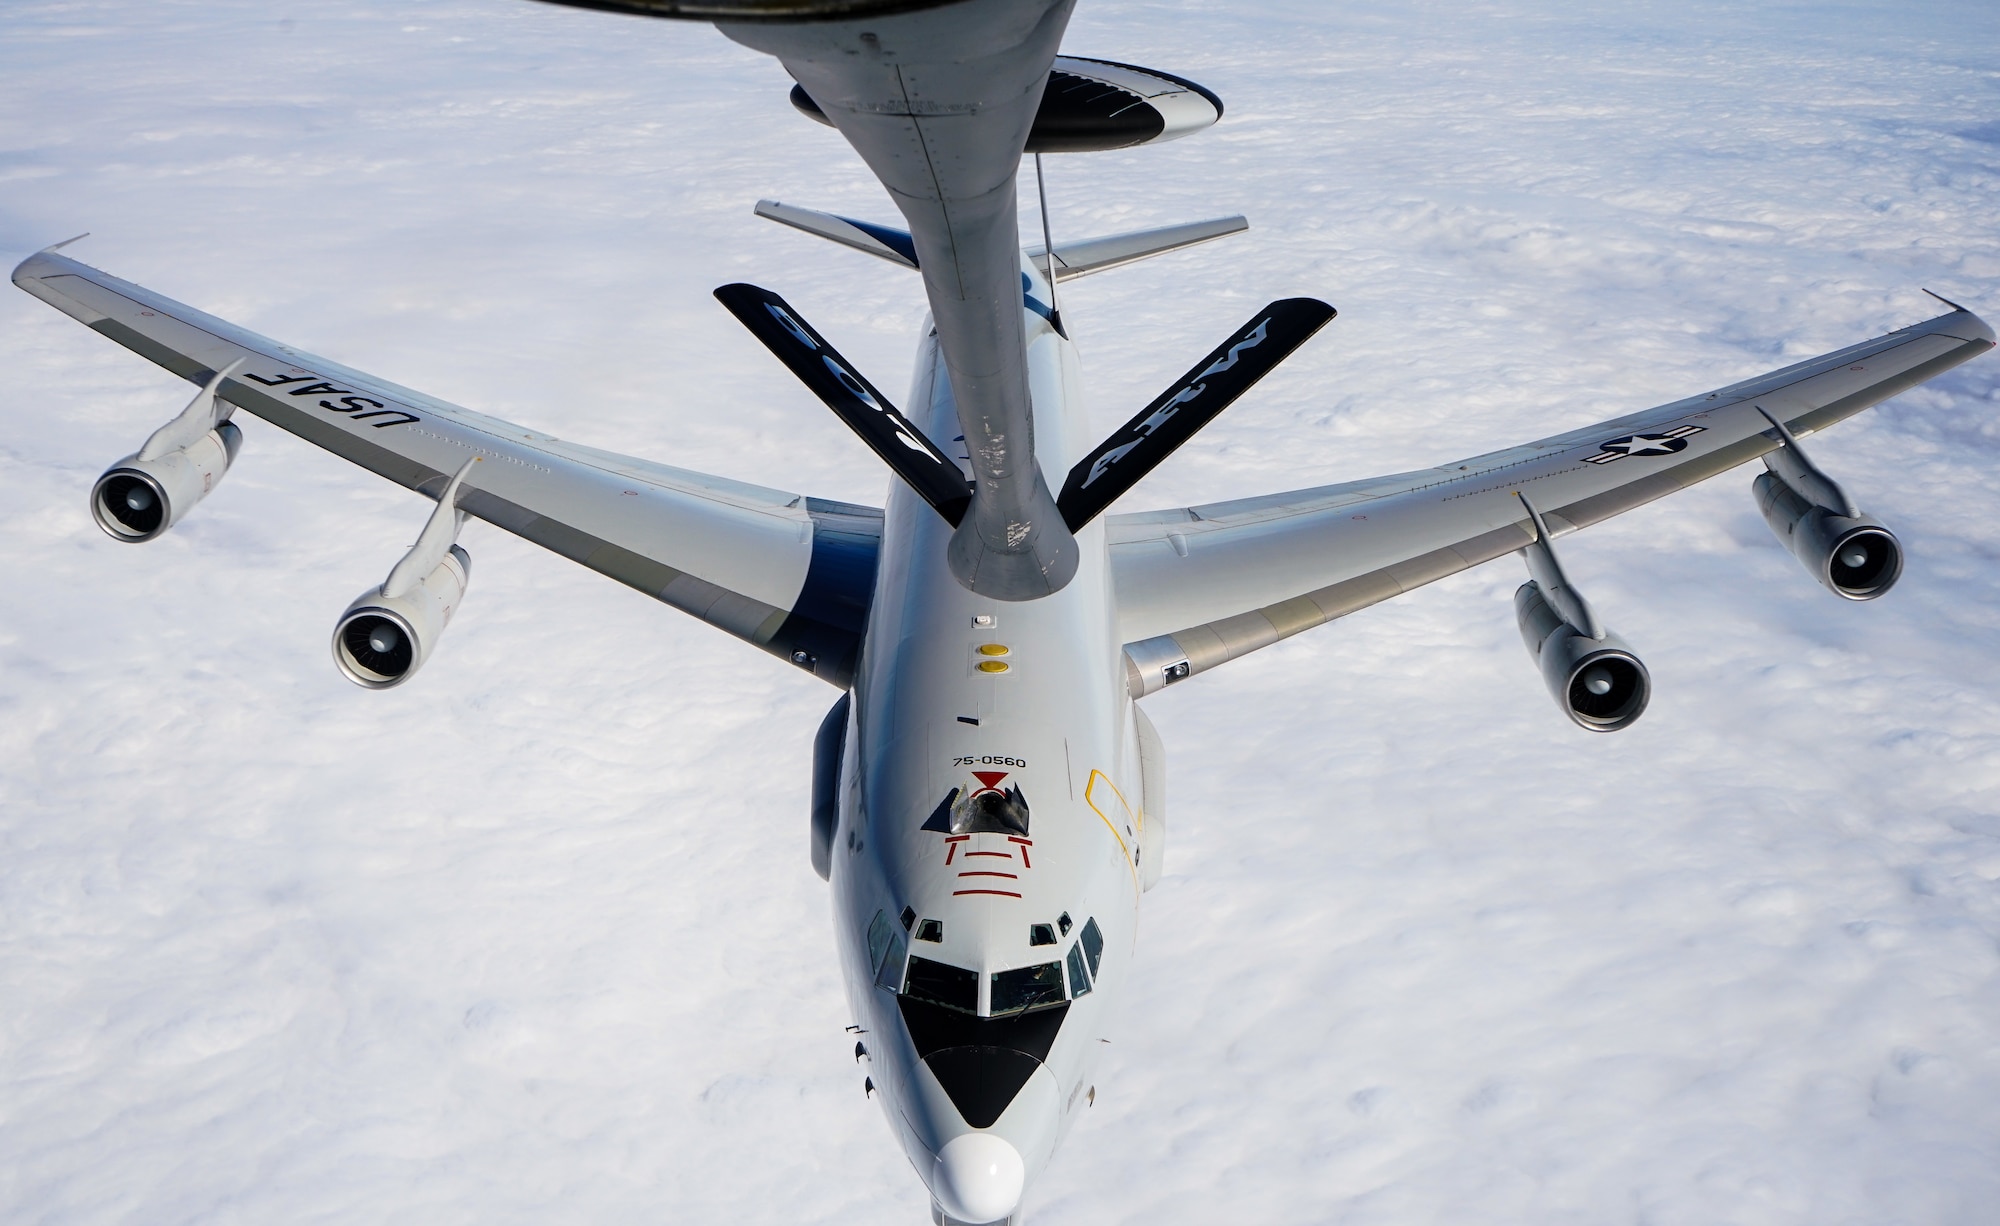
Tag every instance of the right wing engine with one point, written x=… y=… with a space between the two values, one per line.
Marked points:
x=1199 y=586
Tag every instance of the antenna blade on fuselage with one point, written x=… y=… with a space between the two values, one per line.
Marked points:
x=1138 y=447
x=867 y=412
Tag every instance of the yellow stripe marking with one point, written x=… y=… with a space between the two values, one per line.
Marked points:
x=1090 y=799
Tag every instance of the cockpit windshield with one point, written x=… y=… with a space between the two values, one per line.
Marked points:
x=950 y=986
x=1027 y=987
x=1021 y=990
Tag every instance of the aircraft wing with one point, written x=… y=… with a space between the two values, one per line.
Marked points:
x=790 y=574
x=1198 y=586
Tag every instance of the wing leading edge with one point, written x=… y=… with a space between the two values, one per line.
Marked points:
x=786 y=573
x=1199 y=586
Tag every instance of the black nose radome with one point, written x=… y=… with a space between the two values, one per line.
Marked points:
x=982 y=1062
x=981 y=1081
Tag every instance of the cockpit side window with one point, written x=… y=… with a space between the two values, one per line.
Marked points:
x=1092 y=941
x=950 y=986
x=1027 y=987
x=878 y=939
x=889 y=973
x=1079 y=982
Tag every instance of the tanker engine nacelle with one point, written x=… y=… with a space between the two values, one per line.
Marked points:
x=1594 y=677
x=144 y=494
x=1849 y=552
x=385 y=636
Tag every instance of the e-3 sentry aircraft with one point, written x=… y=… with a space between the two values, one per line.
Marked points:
x=988 y=796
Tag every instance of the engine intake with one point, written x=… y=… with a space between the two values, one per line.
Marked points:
x=1853 y=556
x=382 y=640
x=385 y=636
x=1597 y=682
x=1592 y=674
x=1849 y=552
x=148 y=492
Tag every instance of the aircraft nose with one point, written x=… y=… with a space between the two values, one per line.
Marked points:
x=978 y=1177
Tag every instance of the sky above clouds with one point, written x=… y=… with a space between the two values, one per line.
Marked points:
x=534 y=938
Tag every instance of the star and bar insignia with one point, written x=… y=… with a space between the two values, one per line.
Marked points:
x=1667 y=443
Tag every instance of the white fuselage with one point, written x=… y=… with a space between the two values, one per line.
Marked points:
x=1055 y=723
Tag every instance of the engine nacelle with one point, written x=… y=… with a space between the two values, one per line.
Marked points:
x=140 y=497
x=1852 y=555
x=1597 y=682
x=148 y=492
x=382 y=640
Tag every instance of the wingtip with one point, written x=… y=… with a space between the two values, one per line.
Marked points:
x=1970 y=328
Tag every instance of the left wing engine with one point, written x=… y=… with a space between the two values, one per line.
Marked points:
x=146 y=493
x=789 y=574
x=389 y=630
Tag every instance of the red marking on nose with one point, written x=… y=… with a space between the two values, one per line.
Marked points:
x=989 y=780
